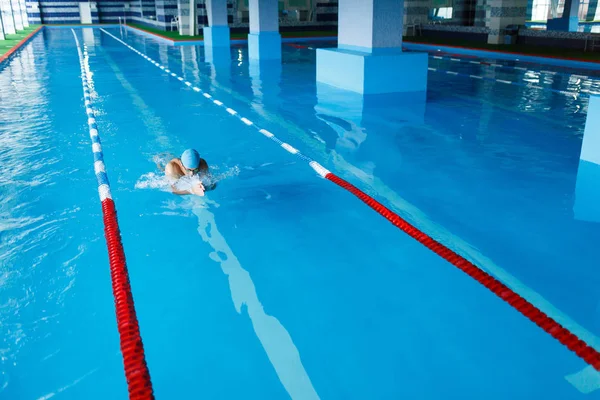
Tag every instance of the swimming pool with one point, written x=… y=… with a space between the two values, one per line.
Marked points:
x=280 y=284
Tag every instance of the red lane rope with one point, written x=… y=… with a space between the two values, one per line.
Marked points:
x=132 y=348
x=563 y=335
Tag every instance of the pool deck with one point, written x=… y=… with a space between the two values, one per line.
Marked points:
x=14 y=42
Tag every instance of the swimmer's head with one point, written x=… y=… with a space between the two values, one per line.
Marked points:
x=191 y=161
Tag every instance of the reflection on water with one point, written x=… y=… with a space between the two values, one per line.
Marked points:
x=273 y=336
x=40 y=245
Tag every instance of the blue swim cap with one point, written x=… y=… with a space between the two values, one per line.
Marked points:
x=190 y=159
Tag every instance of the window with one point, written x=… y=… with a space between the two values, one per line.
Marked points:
x=540 y=10
x=444 y=13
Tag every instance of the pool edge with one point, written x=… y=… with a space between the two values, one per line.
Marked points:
x=506 y=55
x=6 y=56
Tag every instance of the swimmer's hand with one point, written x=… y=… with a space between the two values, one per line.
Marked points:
x=197 y=189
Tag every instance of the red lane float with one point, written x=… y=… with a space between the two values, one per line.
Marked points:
x=563 y=335
x=132 y=348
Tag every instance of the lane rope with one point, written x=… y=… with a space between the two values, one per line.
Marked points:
x=507 y=82
x=457 y=58
x=582 y=78
x=526 y=308
x=132 y=348
x=515 y=67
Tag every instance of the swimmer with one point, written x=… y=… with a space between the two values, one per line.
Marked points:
x=190 y=164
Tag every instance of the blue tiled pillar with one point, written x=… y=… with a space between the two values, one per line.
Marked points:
x=95 y=15
x=587 y=190
x=569 y=22
x=24 y=18
x=264 y=40
x=33 y=12
x=216 y=34
x=166 y=11
x=500 y=14
x=590 y=148
x=369 y=57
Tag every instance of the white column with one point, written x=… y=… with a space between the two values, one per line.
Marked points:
x=16 y=6
x=370 y=25
x=264 y=40
x=216 y=34
x=193 y=19
x=24 y=17
x=369 y=57
x=1 y=27
x=8 y=23
x=184 y=12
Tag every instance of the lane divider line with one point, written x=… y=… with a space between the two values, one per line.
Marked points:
x=132 y=348
x=497 y=65
x=549 y=325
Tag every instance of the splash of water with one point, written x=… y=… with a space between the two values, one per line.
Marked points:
x=159 y=181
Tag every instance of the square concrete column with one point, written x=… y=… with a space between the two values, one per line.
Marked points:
x=186 y=11
x=569 y=22
x=369 y=57
x=500 y=14
x=17 y=16
x=8 y=22
x=24 y=17
x=216 y=34
x=264 y=40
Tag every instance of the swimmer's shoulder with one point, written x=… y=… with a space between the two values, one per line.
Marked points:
x=174 y=168
x=203 y=166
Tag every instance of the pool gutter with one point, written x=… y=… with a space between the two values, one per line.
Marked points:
x=16 y=47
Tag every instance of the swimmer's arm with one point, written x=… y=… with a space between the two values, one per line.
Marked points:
x=179 y=192
x=198 y=191
x=212 y=186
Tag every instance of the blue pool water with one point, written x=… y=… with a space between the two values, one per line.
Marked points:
x=279 y=284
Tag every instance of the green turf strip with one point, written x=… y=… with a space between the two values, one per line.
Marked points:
x=173 y=35
x=12 y=40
